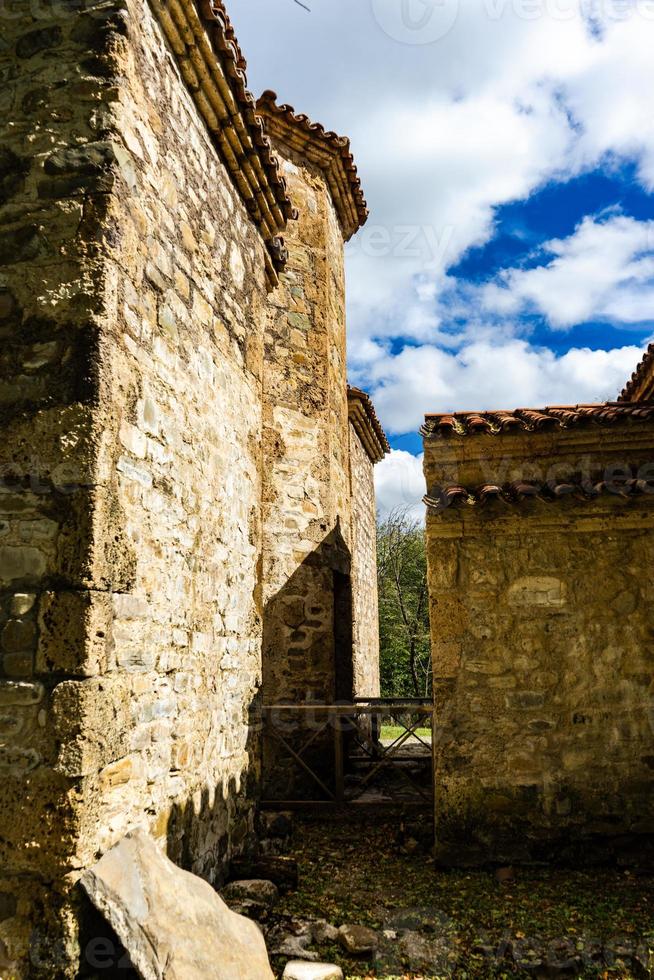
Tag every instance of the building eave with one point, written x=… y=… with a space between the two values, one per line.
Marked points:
x=463 y=425
x=363 y=417
x=326 y=150
x=212 y=66
x=640 y=386
x=442 y=498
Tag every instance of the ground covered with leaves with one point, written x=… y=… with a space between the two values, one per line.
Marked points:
x=433 y=923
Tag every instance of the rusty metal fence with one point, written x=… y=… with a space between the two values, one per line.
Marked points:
x=367 y=752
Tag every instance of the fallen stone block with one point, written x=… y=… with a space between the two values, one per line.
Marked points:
x=172 y=923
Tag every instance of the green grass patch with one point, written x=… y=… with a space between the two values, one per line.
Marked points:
x=390 y=732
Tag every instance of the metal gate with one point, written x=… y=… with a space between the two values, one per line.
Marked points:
x=375 y=752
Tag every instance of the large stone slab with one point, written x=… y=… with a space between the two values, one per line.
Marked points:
x=172 y=923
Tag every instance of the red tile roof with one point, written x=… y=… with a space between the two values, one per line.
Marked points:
x=364 y=419
x=441 y=498
x=327 y=150
x=523 y=420
x=641 y=384
x=211 y=62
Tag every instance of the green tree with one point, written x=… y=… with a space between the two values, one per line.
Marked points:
x=405 y=652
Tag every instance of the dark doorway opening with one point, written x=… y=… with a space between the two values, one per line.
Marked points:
x=343 y=638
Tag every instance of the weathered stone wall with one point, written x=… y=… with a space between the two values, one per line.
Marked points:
x=131 y=304
x=136 y=433
x=542 y=640
x=184 y=416
x=364 y=571
x=307 y=509
x=58 y=167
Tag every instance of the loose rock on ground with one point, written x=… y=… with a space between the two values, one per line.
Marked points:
x=298 y=970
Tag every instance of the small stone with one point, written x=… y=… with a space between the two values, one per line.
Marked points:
x=21 y=245
x=358 y=940
x=40 y=40
x=14 y=692
x=323 y=932
x=133 y=440
x=505 y=875
x=188 y=238
x=296 y=946
x=22 y=603
x=86 y=159
x=277 y=824
x=18 y=664
x=257 y=891
x=301 y=970
x=167 y=322
x=40 y=355
x=18 y=635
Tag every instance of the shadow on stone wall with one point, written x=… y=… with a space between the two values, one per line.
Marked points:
x=307 y=629
x=203 y=834
x=307 y=658
x=307 y=655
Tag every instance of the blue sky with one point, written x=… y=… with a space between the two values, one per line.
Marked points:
x=506 y=148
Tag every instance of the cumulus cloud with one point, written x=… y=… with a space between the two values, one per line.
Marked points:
x=448 y=121
x=483 y=375
x=399 y=483
x=604 y=271
x=513 y=94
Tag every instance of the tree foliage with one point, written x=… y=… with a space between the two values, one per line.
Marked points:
x=405 y=655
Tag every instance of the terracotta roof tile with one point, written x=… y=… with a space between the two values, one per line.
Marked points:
x=522 y=420
x=641 y=383
x=441 y=498
x=364 y=419
x=324 y=148
x=212 y=65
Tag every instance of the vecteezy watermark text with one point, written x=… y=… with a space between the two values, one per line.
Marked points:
x=422 y=244
x=420 y=22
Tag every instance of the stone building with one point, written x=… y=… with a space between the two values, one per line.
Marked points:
x=186 y=499
x=319 y=448
x=540 y=557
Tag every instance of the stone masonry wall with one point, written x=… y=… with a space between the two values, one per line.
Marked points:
x=131 y=306
x=364 y=571
x=306 y=470
x=185 y=451
x=542 y=618
x=58 y=167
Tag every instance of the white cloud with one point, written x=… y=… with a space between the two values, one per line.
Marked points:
x=516 y=93
x=605 y=271
x=486 y=376
x=399 y=482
